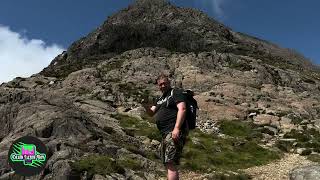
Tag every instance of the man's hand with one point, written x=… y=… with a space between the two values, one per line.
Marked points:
x=175 y=134
x=149 y=110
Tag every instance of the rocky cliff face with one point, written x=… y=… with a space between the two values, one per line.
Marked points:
x=157 y=23
x=77 y=105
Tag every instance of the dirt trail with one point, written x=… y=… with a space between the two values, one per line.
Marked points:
x=277 y=170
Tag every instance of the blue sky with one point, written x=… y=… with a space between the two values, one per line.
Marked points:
x=33 y=32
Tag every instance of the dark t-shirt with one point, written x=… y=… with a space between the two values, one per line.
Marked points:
x=166 y=110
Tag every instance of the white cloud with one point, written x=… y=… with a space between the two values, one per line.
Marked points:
x=20 y=56
x=217 y=6
x=214 y=5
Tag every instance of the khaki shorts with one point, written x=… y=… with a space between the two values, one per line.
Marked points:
x=171 y=151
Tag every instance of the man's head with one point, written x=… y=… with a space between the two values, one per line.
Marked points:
x=163 y=83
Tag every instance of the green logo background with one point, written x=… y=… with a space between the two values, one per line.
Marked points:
x=27 y=156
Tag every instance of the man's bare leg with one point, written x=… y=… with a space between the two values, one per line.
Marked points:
x=173 y=173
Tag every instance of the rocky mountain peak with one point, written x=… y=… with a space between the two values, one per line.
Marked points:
x=149 y=3
x=160 y=25
x=157 y=23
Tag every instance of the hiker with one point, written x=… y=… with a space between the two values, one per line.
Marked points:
x=170 y=113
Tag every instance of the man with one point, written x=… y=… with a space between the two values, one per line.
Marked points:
x=170 y=112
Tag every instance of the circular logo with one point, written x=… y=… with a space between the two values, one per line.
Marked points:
x=27 y=156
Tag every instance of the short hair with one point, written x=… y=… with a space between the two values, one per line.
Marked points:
x=162 y=76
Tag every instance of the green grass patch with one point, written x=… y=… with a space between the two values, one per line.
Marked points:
x=136 y=150
x=314 y=158
x=204 y=152
x=104 y=165
x=236 y=128
x=240 y=129
x=138 y=93
x=300 y=136
x=239 y=65
x=95 y=164
x=304 y=136
x=309 y=138
x=136 y=127
x=285 y=146
x=130 y=163
x=295 y=119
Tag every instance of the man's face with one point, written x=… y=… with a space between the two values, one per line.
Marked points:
x=164 y=85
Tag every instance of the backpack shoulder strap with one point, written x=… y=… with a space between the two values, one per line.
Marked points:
x=171 y=95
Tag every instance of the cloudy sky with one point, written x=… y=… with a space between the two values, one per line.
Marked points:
x=33 y=32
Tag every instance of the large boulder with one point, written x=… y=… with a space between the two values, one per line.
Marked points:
x=311 y=172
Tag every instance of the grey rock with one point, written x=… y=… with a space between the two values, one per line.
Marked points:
x=4 y=161
x=118 y=176
x=136 y=177
x=270 y=130
x=271 y=112
x=7 y=176
x=155 y=143
x=144 y=162
x=61 y=170
x=58 y=155
x=137 y=112
x=149 y=176
x=109 y=177
x=317 y=124
x=300 y=150
x=98 y=177
x=287 y=139
x=311 y=172
x=286 y=124
x=12 y=176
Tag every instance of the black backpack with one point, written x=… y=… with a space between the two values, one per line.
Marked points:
x=192 y=106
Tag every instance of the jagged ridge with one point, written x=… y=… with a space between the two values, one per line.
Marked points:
x=157 y=23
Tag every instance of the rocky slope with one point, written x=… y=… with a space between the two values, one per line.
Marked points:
x=77 y=104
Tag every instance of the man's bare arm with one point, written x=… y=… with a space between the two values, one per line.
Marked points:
x=150 y=110
x=181 y=114
x=180 y=119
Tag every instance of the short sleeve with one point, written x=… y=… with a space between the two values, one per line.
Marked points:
x=178 y=96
